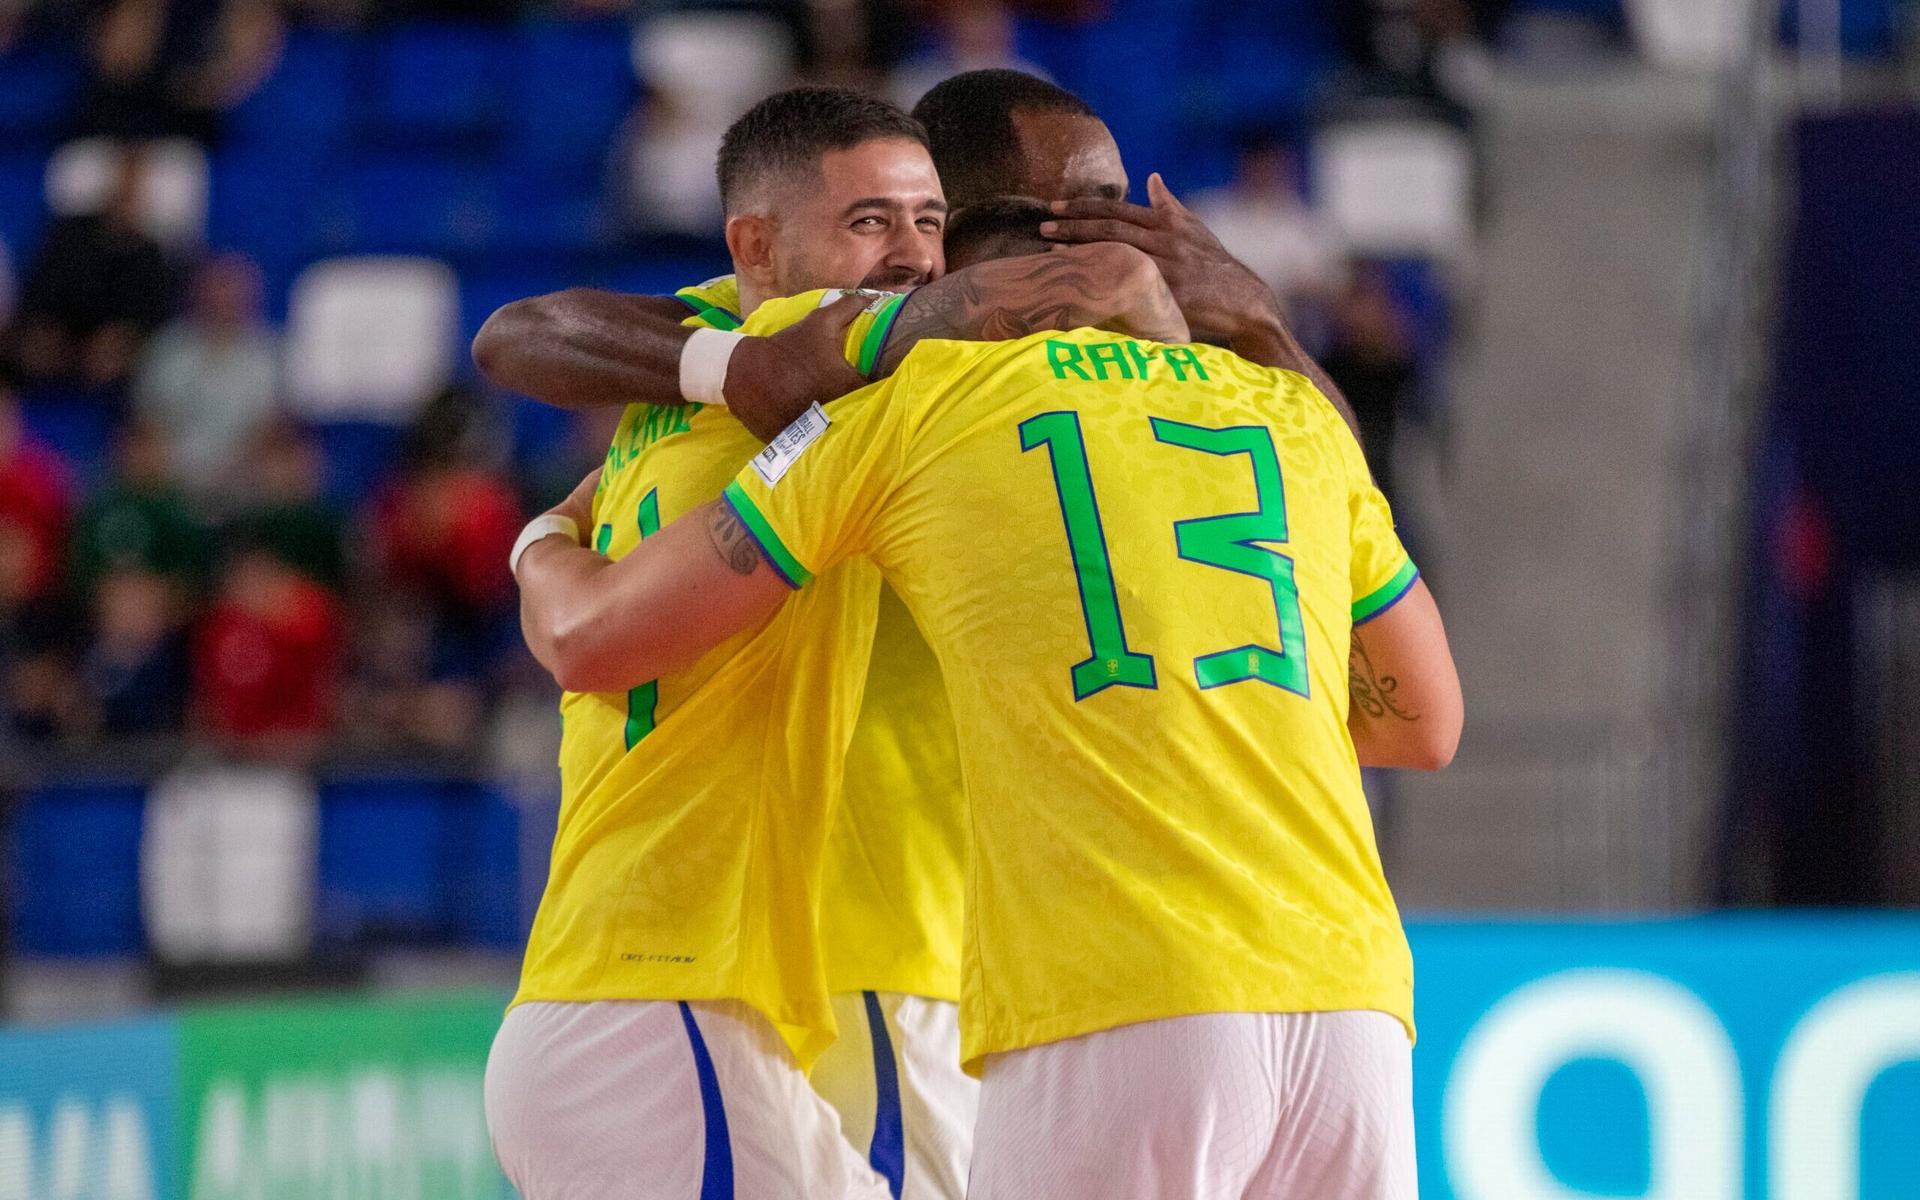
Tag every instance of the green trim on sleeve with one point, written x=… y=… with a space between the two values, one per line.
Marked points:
x=1386 y=595
x=708 y=311
x=778 y=557
x=877 y=335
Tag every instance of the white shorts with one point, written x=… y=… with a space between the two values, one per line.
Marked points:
x=661 y=1100
x=1225 y=1106
x=894 y=1077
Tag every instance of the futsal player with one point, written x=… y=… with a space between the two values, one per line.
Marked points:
x=674 y=993
x=1142 y=567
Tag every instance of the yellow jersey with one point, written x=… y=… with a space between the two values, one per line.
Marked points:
x=892 y=892
x=688 y=860
x=715 y=303
x=1139 y=566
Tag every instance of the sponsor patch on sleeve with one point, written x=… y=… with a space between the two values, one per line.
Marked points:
x=785 y=449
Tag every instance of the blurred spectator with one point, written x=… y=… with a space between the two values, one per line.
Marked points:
x=141 y=522
x=443 y=526
x=441 y=530
x=664 y=167
x=99 y=285
x=1371 y=357
x=968 y=37
x=209 y=377
x=266 y=658
x=170 y=68
x=140 y=559
x=134 y=672
x=35 y=505
x=1262 y=218
x=38 y=696
x=1432 y=50
x=703 y=65
x=283 y=508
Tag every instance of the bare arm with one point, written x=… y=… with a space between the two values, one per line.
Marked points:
x=1405 y=708
x=1222 y=299
x=584 y=348
x=601 y=626
x=1102 y=284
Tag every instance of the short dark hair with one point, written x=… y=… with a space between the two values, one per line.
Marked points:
x=791 y=130
x=996 y=229
x=969 y=121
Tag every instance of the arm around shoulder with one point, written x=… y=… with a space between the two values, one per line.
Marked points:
x=585 y=348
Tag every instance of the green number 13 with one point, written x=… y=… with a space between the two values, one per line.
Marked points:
x=1229 y=542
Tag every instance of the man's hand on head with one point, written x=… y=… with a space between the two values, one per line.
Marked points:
x=1219 y=295
x=772 y=380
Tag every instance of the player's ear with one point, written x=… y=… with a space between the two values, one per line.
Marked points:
x=750 y=241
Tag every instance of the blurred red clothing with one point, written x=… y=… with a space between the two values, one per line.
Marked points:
x=35 y=504
x=445 y=533
x=267 y=655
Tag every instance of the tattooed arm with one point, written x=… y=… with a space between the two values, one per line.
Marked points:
x=1101 y=284
x=697 y=582
x=1404 y=705
x=585 y=348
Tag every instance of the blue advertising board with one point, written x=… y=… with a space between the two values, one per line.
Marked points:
x=1710 y=1058
x=1713 y=1058
x=89 y=1112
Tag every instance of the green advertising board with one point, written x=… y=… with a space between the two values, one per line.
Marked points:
x=338 y=1101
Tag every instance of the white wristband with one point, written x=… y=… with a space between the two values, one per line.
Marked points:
x=703 y=364
x=543 y=526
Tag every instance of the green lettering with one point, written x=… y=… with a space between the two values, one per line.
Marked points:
x=642 y=701
x=1102 y=353
x=1064 y=357
x=1182 y=359
x=1140 y=357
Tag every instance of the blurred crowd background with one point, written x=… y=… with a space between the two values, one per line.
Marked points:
x=262 y=694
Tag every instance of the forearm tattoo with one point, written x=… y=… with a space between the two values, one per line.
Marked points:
x=731 y=539
x=1374 y=693
x=1015 y=297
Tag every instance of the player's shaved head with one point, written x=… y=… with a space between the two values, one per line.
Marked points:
x=784 y=137
x=1001 y=228
x=997 y=133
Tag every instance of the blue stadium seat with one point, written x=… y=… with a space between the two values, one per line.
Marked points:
x=414 y=203
x=358 y=455
x=577 y=87
x=37 y=99
x=548 y=217
x=487 y=901
x=1868 y=28
x=437 y=83
x=388 y=854
x=302 y=108
x=269 y=202
x=75 y=871
x=76 y=423
x=23 y=206
x=661 y=274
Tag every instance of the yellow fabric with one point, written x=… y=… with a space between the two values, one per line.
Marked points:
x=892 y=890
x=689 y=864
x=1143 y=851
x=721 y=292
